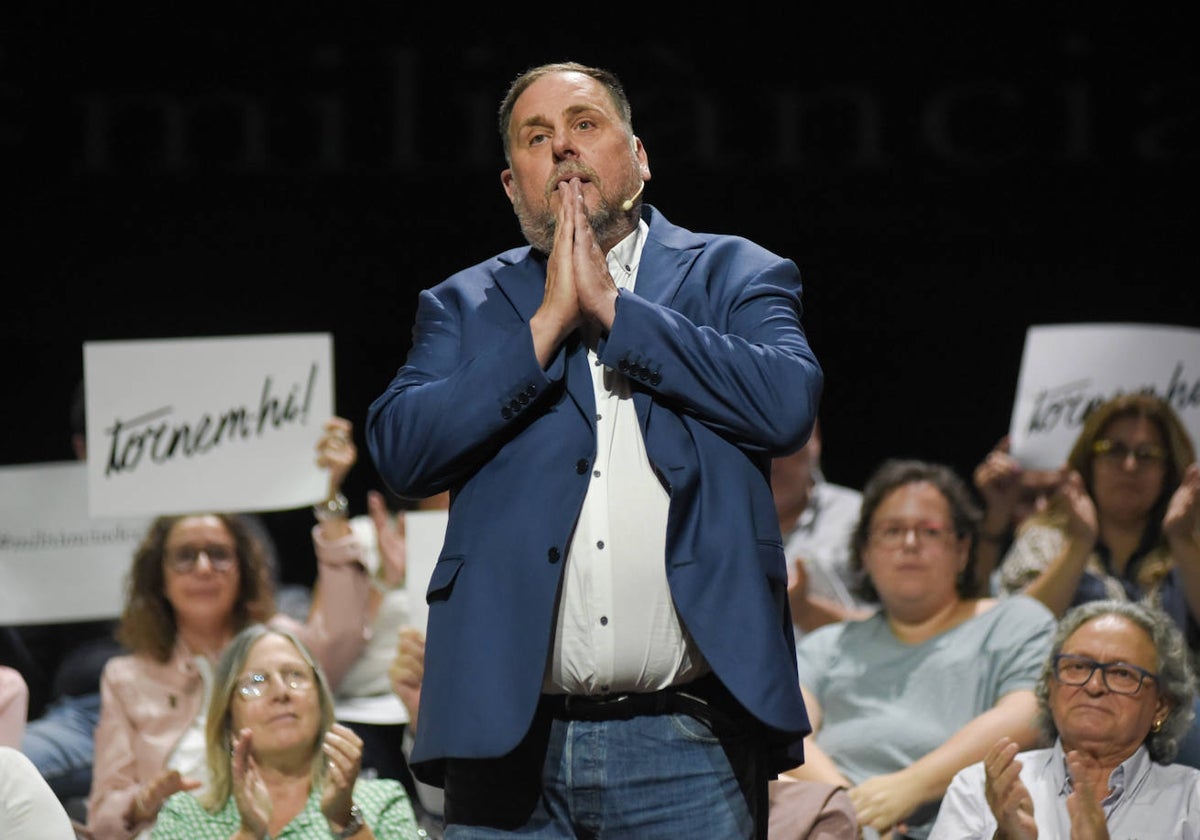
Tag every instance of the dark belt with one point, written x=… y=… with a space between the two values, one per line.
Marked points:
x=705 y=699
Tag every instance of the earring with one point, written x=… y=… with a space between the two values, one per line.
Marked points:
x=1157 y=727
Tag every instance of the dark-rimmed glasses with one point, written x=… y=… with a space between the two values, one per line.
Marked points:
x=254 y=685
x=184 y=558
x=1144 y=455
x=893 y=534
x=1118 y=677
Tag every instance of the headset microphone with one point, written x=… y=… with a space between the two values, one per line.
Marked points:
x=627 y=204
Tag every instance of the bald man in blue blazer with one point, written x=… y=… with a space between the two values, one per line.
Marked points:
x=608 y=612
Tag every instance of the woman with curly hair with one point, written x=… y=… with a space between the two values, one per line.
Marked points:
x=196 y=581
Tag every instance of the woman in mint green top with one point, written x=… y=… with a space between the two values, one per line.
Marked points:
x=279 y=766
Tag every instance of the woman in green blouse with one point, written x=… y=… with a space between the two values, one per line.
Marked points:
x=279 y=766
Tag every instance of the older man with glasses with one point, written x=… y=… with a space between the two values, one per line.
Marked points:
x=1115 y=696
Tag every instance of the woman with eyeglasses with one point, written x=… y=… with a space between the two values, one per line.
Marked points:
x=278 y=763
x=1125 y=524
x=901 y=701
x=195 y=582
x=1114 y=698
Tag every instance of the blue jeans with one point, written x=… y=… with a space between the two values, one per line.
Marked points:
x=659 y=777
x=60 y=744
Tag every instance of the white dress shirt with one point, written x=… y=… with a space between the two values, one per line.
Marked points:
x=617 y=629
x=1148 y=801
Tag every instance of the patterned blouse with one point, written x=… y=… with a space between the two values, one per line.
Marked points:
x=384 y=804
x=1150 y=575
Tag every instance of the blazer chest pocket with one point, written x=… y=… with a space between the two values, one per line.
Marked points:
x=441 y=582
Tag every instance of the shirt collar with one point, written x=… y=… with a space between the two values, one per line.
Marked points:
x=1119 y=780
x=624 y=257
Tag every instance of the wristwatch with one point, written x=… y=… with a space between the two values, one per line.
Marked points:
x=353 y=827
x=335 y=508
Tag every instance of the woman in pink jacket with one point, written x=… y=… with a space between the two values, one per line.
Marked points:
x=196 y=581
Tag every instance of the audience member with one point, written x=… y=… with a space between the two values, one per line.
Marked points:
x=1114 y=697
x=1010 y=494
x=817 y=519
x=14 y=706
x=278 y=763
x=1126 y=523
x=195 y=582
x=603 y=407
x=903 y=699
x=29 y=810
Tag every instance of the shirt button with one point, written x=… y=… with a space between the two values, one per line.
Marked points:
x=603 y=621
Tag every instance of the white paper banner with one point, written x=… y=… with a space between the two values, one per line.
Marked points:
x=1069 y=369
x=56 y=563
x=183 y=425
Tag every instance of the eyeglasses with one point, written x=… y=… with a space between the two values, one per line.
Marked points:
x=1118 y=677
x=893 y=534
x=1118 y=453
x=254 y=685
x=184 y=558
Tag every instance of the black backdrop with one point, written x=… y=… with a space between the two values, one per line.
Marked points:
x=943 y=181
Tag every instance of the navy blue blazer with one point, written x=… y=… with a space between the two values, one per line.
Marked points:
x=723 y=380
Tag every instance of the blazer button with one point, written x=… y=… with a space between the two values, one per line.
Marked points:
x=552 y=555
x=531 y=389
x=506 y=412
x=655 y=378
x=623 y=365
x=581 y=466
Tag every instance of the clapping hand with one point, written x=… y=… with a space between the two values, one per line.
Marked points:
x=1182 y=520
x=389 y=536
x=250 y=792
x=1082 y=520
x=1006 y=794
x=408 y=670
x=1087 y=816
x=343 y=760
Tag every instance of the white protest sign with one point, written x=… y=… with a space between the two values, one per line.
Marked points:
x=58 y=564
x=184 y=425
x=1069 y=369
x=424 y=533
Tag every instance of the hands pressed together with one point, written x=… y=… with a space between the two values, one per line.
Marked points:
x=580 y=293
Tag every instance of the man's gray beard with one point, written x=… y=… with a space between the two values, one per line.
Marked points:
x=538 y=227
